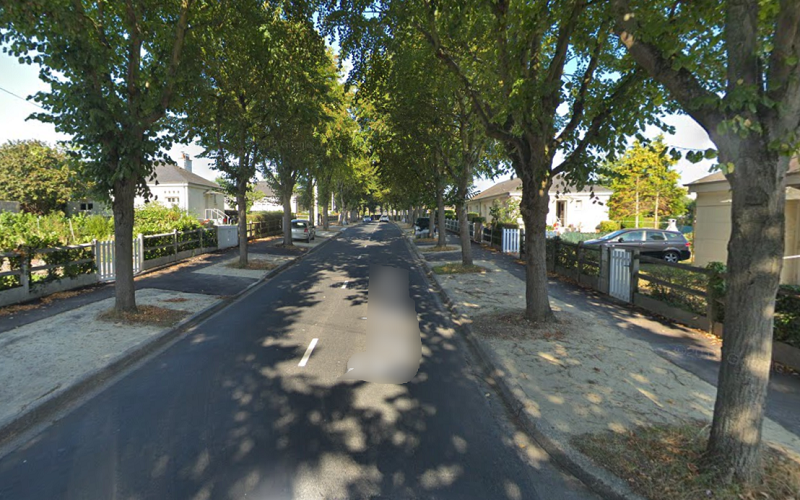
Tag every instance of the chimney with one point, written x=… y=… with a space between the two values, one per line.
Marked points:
x=187 y=161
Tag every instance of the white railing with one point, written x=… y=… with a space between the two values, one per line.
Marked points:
x=216 y=214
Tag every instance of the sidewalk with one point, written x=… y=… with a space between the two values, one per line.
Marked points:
x=49 y=349
x=603 y=367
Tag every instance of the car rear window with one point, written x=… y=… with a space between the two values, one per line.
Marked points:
x=299 y=224
x=675 y=237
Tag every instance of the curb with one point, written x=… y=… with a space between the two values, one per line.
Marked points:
x=48 y=408
x=556 y=444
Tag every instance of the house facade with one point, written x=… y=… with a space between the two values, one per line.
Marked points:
x=172 y=185
x=271 y=202
x=712 y=227
x=581 y=210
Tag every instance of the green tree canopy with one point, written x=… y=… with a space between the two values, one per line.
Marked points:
x=644 y=183
x=36 y=175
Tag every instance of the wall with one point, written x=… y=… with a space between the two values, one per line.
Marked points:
x=9 y=206
x=483 y=205
x=791 y=267
x=581 y=212
x=712 y=227
x=98 y=207
x=161 y=192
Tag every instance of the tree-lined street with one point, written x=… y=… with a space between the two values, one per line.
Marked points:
x=228 y=413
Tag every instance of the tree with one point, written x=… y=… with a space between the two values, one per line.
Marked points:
x=643 y=181
x=230 y=190
x=510 y=58
x=36 y=175
x=293 y=143
x=230 y=108
x=733 y=67
x=114 y=69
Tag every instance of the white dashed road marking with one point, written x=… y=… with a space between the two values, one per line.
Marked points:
x=308 y=352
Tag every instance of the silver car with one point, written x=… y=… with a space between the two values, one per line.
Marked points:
x=302 y=229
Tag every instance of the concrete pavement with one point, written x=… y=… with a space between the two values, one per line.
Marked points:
x=231 y=411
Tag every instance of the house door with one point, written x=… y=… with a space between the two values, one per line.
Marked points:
x=561 y=212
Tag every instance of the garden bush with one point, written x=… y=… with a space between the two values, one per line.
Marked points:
x=676 y=298
x=608 y=226
x=472 y=215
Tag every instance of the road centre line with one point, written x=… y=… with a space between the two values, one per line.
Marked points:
x=308 y=352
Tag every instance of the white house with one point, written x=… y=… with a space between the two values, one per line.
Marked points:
x=271 y=202
x=179 y=186
x=582 y=209
x=712 y=228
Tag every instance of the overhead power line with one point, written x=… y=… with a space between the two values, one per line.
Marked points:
x=21 y=98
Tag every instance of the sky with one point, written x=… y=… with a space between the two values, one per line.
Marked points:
x=23 y=80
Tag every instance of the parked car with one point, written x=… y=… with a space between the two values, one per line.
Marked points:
x=671 y=246
x=384 y=218
x=302 y=229
x=367 y=218
x=422 y=227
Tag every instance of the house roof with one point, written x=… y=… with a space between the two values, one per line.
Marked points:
x=720 y=177
x=173 y=174
x=265 y=188
x=513 y=186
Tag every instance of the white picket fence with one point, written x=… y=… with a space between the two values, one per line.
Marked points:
x=104 y=255
x=510 y=240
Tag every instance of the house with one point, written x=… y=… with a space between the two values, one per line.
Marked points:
x=271 y=202
x=712 y=227
x=569 y=206
x=172 y=185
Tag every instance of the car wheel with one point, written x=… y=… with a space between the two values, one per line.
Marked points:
x=672 y=257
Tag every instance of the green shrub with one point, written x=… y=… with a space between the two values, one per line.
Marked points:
x=575 y=237
x=450 y=214
x=677 y=298
x=787 y=315
x=472 y=215
x=478 y=219
x=608 y=226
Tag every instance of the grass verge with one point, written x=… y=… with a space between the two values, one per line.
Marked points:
x=458 y=268
x=439 y=249
x=146 y=315
x=665 y=463
x=254 y=265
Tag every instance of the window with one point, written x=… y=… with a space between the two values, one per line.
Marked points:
x=674 y=237
x=87 y=206
x=653 y=236
x=300 y=224
x=172 y=200
x=633 y=236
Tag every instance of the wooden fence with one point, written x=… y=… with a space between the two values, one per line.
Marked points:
x=36 y=272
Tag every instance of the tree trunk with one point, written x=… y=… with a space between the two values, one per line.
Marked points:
x=312 y=208
x=755 y=259
x=287 y=220
x=342 y=215
x=463 y=232
x=325 y=224
x=124 y=288
x=442 y=222
x=534 y=207
x=241 y=210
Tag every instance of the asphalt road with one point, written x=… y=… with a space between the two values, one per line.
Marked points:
x=227 y=412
